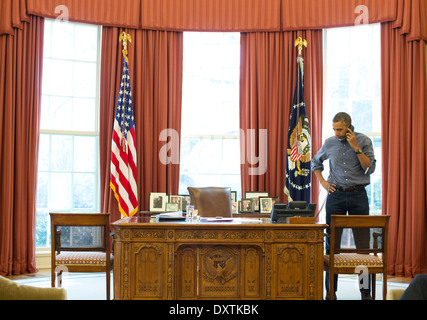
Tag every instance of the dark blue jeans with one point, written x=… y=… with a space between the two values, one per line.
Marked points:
x=354 y=203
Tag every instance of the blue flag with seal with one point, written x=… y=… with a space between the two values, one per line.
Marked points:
x=298 y=158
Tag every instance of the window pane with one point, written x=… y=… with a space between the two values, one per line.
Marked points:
x=84 y=191
x=47 y=41
x=61 y=153
x=59 y=113
x=84 y=80
x=84 y=114
x=42 y=189
x=42 y=228
x=62 y=40
x=86 y=49
x=85 y=151
x=60 y=191
x=59 y=79
x=44 y=147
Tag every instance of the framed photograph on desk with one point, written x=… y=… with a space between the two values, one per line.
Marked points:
x=172 y=206
x=186 y=200
x=255 y=195
x=265 y=205
x=157 y=201
x=233 y=195
x=234 y=207
x=177 y=200
x=246 y=205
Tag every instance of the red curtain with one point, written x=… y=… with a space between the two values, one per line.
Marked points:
x=218 y=15
x=21 y=57
x=404 y=141
x=155 y=66
x=268 y=76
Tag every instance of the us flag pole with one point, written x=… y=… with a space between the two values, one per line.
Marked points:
x=123 y=146
x=298 y=164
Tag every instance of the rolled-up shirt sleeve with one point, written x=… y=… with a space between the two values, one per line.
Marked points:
x=368 y=150
x=317 y=161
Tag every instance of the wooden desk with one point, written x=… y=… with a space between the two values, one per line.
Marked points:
x=239 y=259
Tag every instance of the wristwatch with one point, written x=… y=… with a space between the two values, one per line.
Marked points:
x=359 y=151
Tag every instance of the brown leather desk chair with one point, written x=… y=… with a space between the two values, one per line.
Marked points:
x=365 y=257
x=81 y=243
x=211 y=201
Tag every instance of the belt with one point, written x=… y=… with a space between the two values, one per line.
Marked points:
x=349 y=189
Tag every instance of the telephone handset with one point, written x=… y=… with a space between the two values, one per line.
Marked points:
x=351 y=127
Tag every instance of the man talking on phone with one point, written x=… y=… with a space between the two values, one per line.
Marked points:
x=351 y=162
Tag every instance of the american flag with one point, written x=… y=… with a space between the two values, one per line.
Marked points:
x=123 y=150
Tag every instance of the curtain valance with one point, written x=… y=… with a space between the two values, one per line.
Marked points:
x=222 y=15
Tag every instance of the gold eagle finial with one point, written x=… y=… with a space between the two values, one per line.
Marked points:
x=300 y=42
x=125 y=37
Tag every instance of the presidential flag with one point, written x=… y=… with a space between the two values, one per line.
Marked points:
x=298 y=160
x=123 y=149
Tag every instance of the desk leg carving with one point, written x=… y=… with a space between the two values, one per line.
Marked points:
x=126 y=267
x=291 y=270
x=170 y=271
x=268 y=270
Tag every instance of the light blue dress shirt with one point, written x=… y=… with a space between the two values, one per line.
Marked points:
x=345 y=168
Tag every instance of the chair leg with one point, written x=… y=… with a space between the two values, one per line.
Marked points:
x=52 y=277
x=384 y=285
x=331 y=286
x=374 y=287
x=108 y=283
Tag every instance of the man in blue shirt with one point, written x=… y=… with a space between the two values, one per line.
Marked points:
x=351 y=162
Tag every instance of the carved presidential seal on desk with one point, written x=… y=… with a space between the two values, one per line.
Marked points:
x=220 y=264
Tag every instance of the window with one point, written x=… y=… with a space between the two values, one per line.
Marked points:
x=352 y=83
x=68 y=177
x=210 y=148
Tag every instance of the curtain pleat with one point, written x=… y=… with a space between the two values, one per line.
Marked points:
x=155 y=66
x=404 y=141
x=268 y=76
x=21 y=57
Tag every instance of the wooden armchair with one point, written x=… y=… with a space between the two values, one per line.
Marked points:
x=362 y=259
x=80 y=243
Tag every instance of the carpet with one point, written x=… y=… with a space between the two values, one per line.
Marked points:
x=91 y=286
